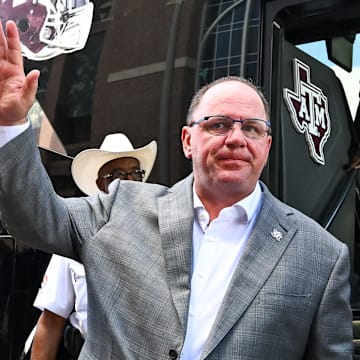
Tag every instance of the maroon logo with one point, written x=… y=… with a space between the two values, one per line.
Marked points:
x=308 y=107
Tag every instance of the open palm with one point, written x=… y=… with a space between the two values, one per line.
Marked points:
x=17 y=91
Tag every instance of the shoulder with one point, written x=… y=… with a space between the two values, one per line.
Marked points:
x=305 y=228
x=133 y=190
x=59 y=260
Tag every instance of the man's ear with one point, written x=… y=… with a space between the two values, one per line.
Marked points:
x=186 y=143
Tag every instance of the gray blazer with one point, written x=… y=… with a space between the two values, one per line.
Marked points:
x=288 y=299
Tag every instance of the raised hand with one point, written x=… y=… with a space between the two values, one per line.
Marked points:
x=17 y=91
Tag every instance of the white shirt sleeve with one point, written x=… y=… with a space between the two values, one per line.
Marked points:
x=57 y=292
x=7 y=133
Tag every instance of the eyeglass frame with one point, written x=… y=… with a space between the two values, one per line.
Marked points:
x=140 y=173
x=205 y=118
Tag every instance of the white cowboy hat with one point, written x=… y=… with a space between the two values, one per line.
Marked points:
x=87 y=163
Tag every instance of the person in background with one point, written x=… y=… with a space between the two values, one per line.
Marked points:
x=213 y=267
x=62 y=297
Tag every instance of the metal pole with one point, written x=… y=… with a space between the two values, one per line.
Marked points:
x=244 y=37
x=166 y=94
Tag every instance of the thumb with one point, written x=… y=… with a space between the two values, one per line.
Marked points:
x=30 y=86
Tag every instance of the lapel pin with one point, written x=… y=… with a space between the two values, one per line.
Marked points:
x=276 y=234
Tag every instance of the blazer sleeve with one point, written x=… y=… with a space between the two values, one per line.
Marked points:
x=31 y=210
x=331 y=334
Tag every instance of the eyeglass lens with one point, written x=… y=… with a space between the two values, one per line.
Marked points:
x=137 y=175
x=221 y=125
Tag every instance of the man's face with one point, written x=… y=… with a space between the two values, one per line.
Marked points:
x=126 y=168
x=229 y=164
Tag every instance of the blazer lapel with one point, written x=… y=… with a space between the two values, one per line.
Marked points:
x=269 y=239
x=176 y=217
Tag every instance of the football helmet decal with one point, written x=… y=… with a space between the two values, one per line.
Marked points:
x=49 y=28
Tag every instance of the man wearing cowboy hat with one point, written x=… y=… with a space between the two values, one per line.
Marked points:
x=62 y=297
x=94 y=169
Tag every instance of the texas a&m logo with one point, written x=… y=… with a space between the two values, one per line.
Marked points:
x=308 y=107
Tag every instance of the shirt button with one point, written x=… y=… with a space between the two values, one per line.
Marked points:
x=173 y=354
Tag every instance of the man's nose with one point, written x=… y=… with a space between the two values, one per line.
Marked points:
x=130 y=176
x=235 y=135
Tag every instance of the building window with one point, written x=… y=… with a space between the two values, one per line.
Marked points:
x=74 y=107
x=222 y=40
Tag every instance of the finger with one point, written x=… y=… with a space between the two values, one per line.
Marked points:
x=3 y=43
x=13 y=44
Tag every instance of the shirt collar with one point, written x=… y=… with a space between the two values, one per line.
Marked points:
x=249 y=204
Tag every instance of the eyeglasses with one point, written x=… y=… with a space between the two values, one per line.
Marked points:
x=137 y=174
x=221 y=125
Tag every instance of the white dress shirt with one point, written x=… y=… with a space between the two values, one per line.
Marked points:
x=217 y=249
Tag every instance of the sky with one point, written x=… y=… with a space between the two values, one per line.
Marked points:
x=318 y=50
x=350 y=81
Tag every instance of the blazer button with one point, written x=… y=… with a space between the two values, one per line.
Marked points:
x=173 y=354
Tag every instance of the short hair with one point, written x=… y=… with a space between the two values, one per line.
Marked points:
x=201 y=92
